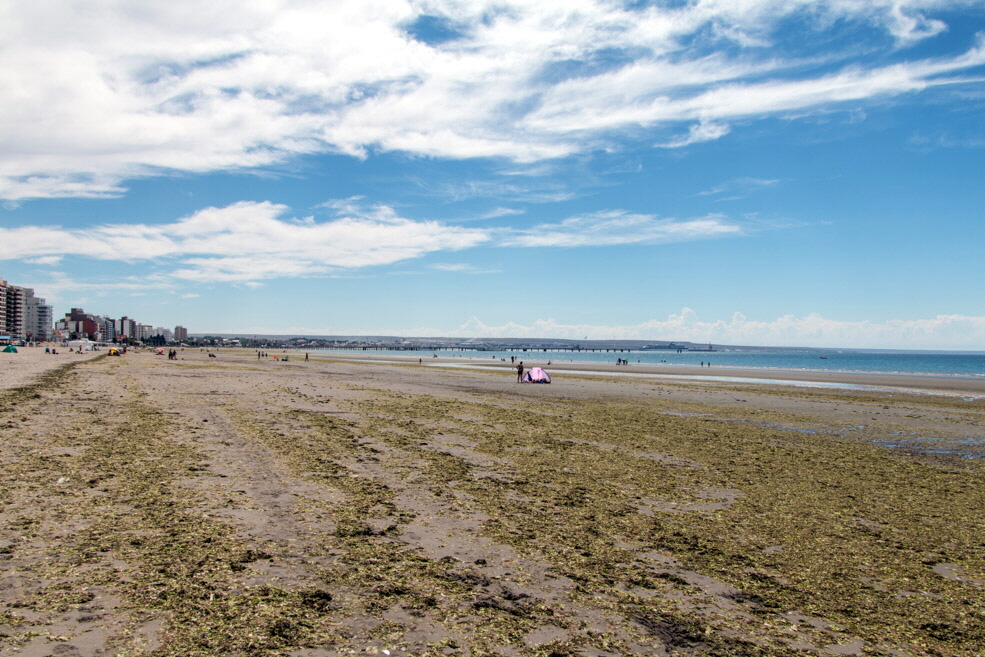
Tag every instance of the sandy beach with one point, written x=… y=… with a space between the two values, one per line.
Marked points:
x=30 y=362
x=232 y=505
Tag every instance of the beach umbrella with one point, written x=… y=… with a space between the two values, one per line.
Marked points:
x=10 y=349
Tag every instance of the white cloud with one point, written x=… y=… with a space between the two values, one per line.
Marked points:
x=495 y=213
x=248 y=242
x=712 y=105
x=618 y=227
x=956 y=332
x=698 y=133
x=463 y=268
x=740 y=186
x=96 y=97
x=46 y=260
x=909 y=26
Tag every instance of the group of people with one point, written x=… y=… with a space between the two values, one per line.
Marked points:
x=52 y=350
x=172 y=354
x=263 y=354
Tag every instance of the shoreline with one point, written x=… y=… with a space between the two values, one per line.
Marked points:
x=21 y=368
x=915 y=383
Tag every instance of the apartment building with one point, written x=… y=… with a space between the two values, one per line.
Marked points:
x=38 y=319
x=23 y=316
x=78 y=324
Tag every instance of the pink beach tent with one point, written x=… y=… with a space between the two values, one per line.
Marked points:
x=536 y=375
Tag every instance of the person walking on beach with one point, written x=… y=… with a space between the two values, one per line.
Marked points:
x=519 y=372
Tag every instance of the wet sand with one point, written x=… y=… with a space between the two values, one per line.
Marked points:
x=969 y=386
x=236 y=506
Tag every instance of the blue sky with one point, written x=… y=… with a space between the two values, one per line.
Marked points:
x=770 y=172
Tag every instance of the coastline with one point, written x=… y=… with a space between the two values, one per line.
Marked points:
x=918 y=383
x=18 y=369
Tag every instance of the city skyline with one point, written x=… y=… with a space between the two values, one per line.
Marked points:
x=772 y=172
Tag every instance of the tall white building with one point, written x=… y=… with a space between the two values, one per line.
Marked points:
x=38 y=318
x=107 y=328
x=126 y=328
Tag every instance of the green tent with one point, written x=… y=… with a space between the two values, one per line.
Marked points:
x=10 y=349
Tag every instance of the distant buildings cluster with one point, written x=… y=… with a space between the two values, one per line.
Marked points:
x=25 y=317
x=80 y=325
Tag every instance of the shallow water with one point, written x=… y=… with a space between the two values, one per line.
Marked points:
x=961 y=364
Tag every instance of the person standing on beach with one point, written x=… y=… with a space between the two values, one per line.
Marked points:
x=519 y=372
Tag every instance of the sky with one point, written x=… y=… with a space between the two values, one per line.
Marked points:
x=760 y=172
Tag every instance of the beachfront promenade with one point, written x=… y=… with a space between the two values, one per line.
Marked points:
x=235 y=506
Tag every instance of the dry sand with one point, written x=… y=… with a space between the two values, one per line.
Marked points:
x=30 y=362
x=236 y=506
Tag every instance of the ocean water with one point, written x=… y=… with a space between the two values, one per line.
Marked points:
x=957 y=364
